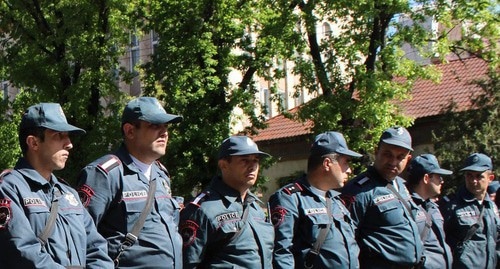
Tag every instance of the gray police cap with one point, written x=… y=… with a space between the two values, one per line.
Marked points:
x=47 y=115
x=478 y=162
x=331 y=142
x=397 y=136
x=148 y=109
x=239 y=145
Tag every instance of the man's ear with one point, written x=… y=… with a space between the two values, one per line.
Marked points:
x=33 y=142
x=426 y=179
x=128 y=130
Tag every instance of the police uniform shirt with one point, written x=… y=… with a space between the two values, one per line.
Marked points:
x=387 y=233
x=483 y=249
x=115 y=193
x=209 y=224
x=298 y=215
x=25 y=201
x=436 y=250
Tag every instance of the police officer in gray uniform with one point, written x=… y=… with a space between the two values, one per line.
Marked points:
x=425 y=182
x=128 y=192
x=313 y=227
x=382 y=208
x=471 y=219
x=224 y=226
x=42 y=222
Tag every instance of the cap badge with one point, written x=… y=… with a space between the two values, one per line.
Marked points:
x=475 y=159
x=400 y=131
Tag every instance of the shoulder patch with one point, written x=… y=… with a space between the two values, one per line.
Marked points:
x=363 y=181
x=292 y=188
x=278 y=215
x=200 y=198
x=108 y=164
x=85 y=193
x=5 y=213
x=188 y=232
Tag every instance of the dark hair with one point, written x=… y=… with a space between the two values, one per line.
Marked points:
x=135 y=123
x=25 y=132
x=413 y=180
x=316 y=160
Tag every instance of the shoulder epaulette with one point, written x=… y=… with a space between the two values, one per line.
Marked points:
x=363 y=181
x=200 y=198
x=4 y=173
x=63 y=181
x=109 y=164
x=292 y=188
x=162 y=167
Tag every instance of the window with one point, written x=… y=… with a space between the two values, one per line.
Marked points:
x=327 y=30
x=266 y=101
x=134 y=52
x=5 y=90
x=154 y=41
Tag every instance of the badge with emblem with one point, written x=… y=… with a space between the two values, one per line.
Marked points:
x=278 y=215
x=400 y=131
x=71 y=199
x=188 y=232
x=5 y=213
x=85 y=193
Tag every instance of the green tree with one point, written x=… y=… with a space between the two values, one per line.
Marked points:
x=65 y=52
x=357 y=73
x=453 y=142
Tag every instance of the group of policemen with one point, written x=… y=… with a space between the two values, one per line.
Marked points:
x=122 y=213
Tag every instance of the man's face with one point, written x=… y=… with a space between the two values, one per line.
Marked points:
x=147 y=142
x=340 y=171
x=240 y=172
x=390 y=160
x=435 y=184
x=53 y=151
x=477 y=182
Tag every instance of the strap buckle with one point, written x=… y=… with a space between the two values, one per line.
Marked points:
x=130 y=239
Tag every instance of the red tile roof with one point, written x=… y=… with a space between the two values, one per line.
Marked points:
x=457 y=85
x=428 y=98
x=280 y=127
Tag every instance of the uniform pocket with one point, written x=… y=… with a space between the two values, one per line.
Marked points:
x=390 y=213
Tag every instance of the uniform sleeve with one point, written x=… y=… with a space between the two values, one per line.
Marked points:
x=358 y=208
x=97 y=190
x=197 y=232
x=284 y=214
x=19 y=245
x=97 y=247
x=449 y=225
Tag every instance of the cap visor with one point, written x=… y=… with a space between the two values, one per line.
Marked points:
x=474 y=168
x=162 y=118
x=250 y=153
x=441 y=172
x=397 y=143
x=349 y=152
x=64 y=128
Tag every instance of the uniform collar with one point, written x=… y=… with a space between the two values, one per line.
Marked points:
x=30 y=174
x=468 y=197
x=231 y=195
x=127 y=162
x=303 y=181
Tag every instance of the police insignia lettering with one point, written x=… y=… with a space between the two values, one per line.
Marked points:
x=278 y=215
x=313 y=211
x=85 y=193
x=127 y=195
x=5 y=213
x=188 y=232
x=228 y=216
x=35 y=201
x=384 y=198
x=466 y=214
